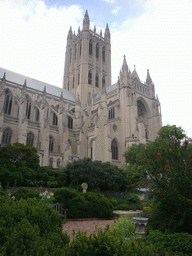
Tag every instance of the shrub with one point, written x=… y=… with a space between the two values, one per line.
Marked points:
x=26 y=193
x=110 y=243
x=177 y=242
x=132 y=198
x=83 y=205
x=29 y=227
x=124 y=226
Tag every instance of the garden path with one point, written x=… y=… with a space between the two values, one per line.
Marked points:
x=88 y=225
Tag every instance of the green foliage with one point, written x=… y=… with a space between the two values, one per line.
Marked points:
x=168 y=161
x=29 y=227
x=177 y=242
x=95 y=173
x=25 y=193
x=124 y=226
x=110 y=243
x=83 y=205
x=132 y=198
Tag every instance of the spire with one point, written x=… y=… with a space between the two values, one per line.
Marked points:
x=25 y=83
x=86 y=21
x=124 y=66
x=107 y=33
x=148 y=79
x=69 y=33
x=4 y=76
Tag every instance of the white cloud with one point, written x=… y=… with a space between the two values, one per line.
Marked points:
x=110 y=1
x=116 y=10
x=161 y=41
x=33 y=38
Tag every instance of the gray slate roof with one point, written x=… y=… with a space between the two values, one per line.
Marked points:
x=109 y=89
x=37 y=85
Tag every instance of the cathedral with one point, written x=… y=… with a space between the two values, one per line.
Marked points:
x=89 y=116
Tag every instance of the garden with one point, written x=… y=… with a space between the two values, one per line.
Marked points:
x=29 y=226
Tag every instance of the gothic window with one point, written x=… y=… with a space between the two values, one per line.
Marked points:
x=114 y=149
x=103 y=82
x=51 y=142
x=73 y=81
x=30 y=139
x=70 y=122
x=80 y=48
x=70 y=55
x=55 y=119
x=112 y=113
x=78 y=78
x=6 y=138
x=97 y=50
x=36 y=114
x=90 y=47
x=90 y=77
x=28 y=108
x=58 y=163
x=68 y=84
x=103 y=53
x=96 y=80
x=7 y=102
x=91 y=151
x=146 y=134
x=51 y=161
x=75 y=51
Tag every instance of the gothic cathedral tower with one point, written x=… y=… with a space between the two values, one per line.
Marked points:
x=87 y=62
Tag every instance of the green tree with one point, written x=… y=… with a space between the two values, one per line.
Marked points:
x=17 y=163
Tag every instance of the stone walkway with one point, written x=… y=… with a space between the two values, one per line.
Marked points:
x=88 y=225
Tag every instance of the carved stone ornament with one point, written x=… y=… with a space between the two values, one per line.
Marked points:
x=84 y=187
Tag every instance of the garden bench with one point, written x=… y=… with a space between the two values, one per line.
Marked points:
x=59 y=208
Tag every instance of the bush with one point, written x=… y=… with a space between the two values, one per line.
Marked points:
x=132 y=198
x=95 y=173
x=83 y=205
x=110 y=243
x=29 y=227
x=124 y=226
x=26 y=193
x=177 y=242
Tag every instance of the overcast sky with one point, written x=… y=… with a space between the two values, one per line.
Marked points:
x=153 y=34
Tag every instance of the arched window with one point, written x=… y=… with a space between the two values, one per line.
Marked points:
x=30 y=139
x=70 y=122
x=103 y=82
x=90 y=47
x=28 y=108
x=73 y=81
x=90 y=77
x=97 y=50
x=114 y=149
x=70 y=55
x=78 y=78
x=146 y=134
x=58 y=163
x=51 y=142
x=7 y=102
x=80 y=48
x=55 y=119
x=103 y=53
x=6 y=138
x=96 y=80
x=112 y=113
x=51 y=161
x=75 y=51
x=36 y=114
x=68 y=84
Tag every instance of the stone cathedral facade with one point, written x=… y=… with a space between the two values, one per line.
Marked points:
x=88 y=117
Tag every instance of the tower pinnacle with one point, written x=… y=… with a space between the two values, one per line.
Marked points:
x=86 y=21
x=148 y=79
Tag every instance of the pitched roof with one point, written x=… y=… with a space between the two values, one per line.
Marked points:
x=36 y=85
x=109 y=89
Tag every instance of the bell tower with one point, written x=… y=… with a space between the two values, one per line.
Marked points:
x=87 y=61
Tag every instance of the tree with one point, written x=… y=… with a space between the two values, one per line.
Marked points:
x=170 y=168
x=16 y=162
x=168 y=162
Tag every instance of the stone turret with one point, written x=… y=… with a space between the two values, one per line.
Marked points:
x=107 y=34
x=150 y=83
x=86 y=21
